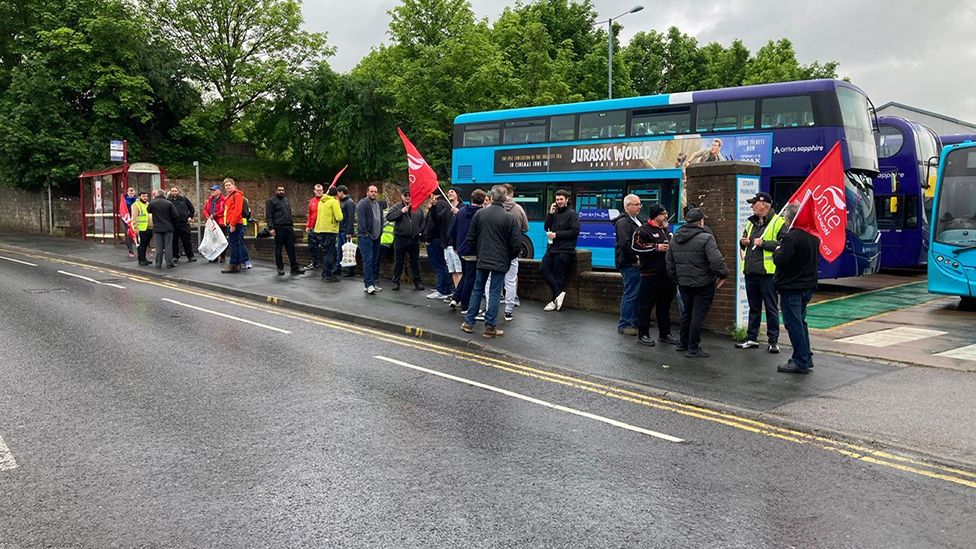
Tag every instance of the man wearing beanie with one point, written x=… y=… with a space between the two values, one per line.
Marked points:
x=651 y=243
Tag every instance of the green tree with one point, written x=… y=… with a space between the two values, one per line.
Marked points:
x=644 y=59
x=726 y=67
x=240 y=50
x=776 y=62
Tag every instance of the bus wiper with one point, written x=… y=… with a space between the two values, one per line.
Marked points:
x=957 y=251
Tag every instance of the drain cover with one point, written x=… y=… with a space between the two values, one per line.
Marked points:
x=47 y=290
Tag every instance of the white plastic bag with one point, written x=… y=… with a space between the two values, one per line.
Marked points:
x=348 y=255
x=214 y=242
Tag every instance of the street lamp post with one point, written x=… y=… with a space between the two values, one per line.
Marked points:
x=196 y=166
x=609 y=23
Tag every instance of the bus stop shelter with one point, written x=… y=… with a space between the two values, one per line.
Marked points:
x=102 y=189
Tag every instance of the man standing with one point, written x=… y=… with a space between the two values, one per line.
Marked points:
x=130 y=198
x=625 y=259
x=438 y=220
x=327 y=222
x=277 y=211
x=562 y=229
x=185 y=212
x=314 y=246
x=494 y=238
x=763 y=232
x=797 y=260
x=233 y=208
x=140 y=220
x=164 y=222
x=457 y=236
x=696 y=265
x=511 y=276
x=214 y=208
x=652 y=243
x=346 y=228
x=369 y=230
x=407 y=227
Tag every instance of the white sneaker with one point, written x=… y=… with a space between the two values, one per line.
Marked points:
x=435 y=295
x=454 y=304
x=480 y=317
x=551 y=306
x=448 y=299
x=377 y=288
x=559 y=300
x=371 y=290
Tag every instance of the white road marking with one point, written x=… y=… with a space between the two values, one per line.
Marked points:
x=7 y=461
x=19 y=261
x=894 y=336
x=512 y=394
x=244 y=320
x=92 y=280
x=965 y=353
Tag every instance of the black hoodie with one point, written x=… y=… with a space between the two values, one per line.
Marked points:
x=694 y=259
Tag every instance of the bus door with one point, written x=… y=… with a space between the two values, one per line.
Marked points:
x=597 y=205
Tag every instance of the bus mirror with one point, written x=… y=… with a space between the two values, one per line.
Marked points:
x=893 y=204
x=932 y=162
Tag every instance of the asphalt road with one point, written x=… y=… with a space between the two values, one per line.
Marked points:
x=133 y=415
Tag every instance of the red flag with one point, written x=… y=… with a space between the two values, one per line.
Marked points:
x=823 y=204
x=126 y=217
x=337 y=176
x=423 y=180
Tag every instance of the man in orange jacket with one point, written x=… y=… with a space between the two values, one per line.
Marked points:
x=233 y=206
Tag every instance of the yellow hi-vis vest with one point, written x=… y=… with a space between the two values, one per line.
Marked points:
x=140 y=215
x=772 y=230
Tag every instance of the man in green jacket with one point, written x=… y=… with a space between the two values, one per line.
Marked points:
x=763 y=232
x=140 y=220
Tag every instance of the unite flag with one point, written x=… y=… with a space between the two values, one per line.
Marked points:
x=823 y=205
x=126 y=217
x=423 y=180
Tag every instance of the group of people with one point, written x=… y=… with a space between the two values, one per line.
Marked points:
x=165 y=218
x=779 y=268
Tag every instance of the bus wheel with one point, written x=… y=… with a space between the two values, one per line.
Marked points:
x=526 y=250
x=967 y=304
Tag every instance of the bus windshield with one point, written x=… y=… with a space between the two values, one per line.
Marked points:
x=861 y=216
x=855 y=111
x=955 y=220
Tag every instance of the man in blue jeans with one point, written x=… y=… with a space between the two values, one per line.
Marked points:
x=369 y=213
x=797 y=259
x=494 y=236
x=438 y=221
x=625 y=225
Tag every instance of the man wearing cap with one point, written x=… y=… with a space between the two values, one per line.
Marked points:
x=408 y=224
x=762 y=235
x=651 y=243
x=695 y=263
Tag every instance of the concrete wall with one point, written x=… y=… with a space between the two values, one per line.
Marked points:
x=23 y=211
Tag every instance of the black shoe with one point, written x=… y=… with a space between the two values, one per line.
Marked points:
x=669 y=339
x=698 y=353
x=396 y=287
x=773 y=348
x=297 y=271
x=419 y=287
x=645 y=340
x=281 y=272
x=144 y=263
x=792 y=368
x=680 y=348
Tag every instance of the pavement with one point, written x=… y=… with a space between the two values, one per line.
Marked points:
x=923 y=412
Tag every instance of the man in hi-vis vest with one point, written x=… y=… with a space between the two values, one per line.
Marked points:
x=763 y=233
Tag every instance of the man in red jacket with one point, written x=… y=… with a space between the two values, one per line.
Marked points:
x=214 y=208
x=314 y=242
x=234 y=204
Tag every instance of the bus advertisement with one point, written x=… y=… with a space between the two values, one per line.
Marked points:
x=952 y=244
x=602 y=150
x=902 y=192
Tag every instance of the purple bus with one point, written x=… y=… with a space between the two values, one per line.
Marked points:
x=956 y=138
x=603 y=150
x=903 y=195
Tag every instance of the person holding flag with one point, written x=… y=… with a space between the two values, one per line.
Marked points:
x=125 y=211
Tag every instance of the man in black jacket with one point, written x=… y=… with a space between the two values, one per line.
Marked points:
x=494 y=236
x=652 y=242
x=797 y=260
x=277 y=211
x=625 y=259
x=697 y=266
x=164 y=223
x=407 y=228
x=438 y=220
x=182 y=234
x=347 y=228
x=562 y=229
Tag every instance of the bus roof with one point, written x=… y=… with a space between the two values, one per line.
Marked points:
x=722 y=94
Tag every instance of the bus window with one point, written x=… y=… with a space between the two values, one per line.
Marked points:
x=889 y=140
x=524 y=131
x=608 y=197
x=660 y=121
x=726 y=116
x=603 y=125
x=532 y=198
x=787 y=112
x=480 y=135
x=562 y=128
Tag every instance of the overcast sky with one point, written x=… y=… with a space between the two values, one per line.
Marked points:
x=917 y=52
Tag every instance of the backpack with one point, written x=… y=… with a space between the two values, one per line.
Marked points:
x=246 y=210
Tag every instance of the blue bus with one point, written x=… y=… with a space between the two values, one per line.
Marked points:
x=952 y=244
x=902 y=191
x=956 y=138
x=602 y=150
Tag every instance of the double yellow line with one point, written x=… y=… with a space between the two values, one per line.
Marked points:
x=853 y=451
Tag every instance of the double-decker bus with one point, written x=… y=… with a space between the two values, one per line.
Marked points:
x=952 y=246
x=907 y=151
x=602 y=150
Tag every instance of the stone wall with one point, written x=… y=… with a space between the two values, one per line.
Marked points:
x=26 y=211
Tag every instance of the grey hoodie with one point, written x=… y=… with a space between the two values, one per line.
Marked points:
x=514 y=208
